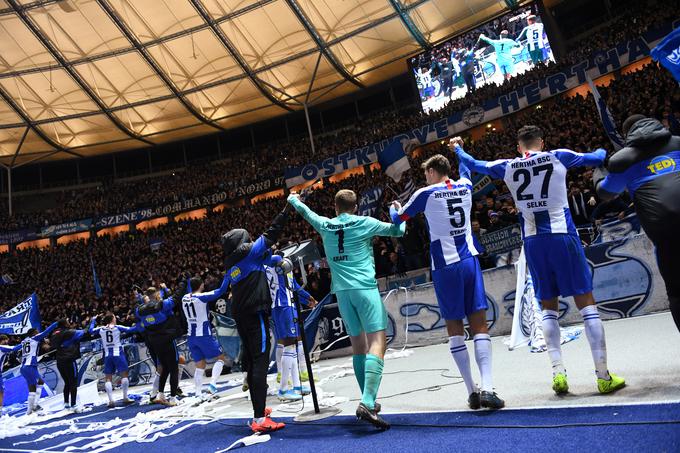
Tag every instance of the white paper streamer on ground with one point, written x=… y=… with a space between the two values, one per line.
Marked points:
x=247 y=441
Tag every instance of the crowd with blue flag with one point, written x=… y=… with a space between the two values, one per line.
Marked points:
x=667 y=52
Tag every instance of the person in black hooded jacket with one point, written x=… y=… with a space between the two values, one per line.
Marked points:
x=649 y=168
x=251 y=307
x=67 y=340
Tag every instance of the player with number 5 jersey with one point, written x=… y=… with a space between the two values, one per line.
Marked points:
x=456 y=272
x=558 y=266
x=347 y=241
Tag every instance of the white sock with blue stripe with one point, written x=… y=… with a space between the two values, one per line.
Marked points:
x=595 y=334
x=462 y=358
x=551 y=333
x=483 y=358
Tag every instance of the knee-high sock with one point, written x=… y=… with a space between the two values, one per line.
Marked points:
x=109 y=390
x=279 y=354
x=198 y=381
x=359 y=362
x=551 y=333
x=125 y=384
x=302 y=361
x=31 y=402
x=174 y=381
x=483 y=358
x=374 y=370
x=287 y=366
x=595 y=334
x=462 y=358
x=295 y=368
x=216 y=372
x=154 y=384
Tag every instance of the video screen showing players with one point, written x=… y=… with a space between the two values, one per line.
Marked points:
x=497 y=50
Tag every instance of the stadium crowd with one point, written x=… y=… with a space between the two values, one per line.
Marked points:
x=270 y=161
x=62 y=276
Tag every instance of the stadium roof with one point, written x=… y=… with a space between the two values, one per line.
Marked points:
x=86 y=77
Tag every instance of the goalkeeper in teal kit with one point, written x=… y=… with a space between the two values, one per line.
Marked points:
x=503 y=48
x=347 y=241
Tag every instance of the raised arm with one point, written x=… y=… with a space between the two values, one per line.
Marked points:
x=215 y=294
x=41 y=336
x=495 y=169
x=310 y=216
x=378 y=228
x=414 y=206
x=571 y=158
x=91 y=330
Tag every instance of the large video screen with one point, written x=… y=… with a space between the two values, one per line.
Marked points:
x=497 y=50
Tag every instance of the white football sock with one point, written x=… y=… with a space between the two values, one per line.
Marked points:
x=302 y=361
x=462 y=358
x=31 y=402
x=109 y=390
x=551 y=333
x=595 y=334
x=287 y=366
x=155 y=383
x=216 y=372
x=125 y=384
x=483 y=358
x=279 y=354
x=294 y=366
x=198 y=381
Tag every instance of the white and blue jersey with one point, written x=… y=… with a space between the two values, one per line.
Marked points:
x=537 y=182
x=284 y=312
x=447 y=208
x=110 y=336
x=553 y=249
x=30 y=347
x=196 y=310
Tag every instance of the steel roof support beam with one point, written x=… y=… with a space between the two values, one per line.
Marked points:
x=200 y=8
x=323 y=47
x=32 y=125
x=28 y=22
x=122 y=26
x=410 y=25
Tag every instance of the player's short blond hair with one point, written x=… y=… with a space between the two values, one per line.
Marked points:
x=345 y=200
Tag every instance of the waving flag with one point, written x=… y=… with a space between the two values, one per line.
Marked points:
x=97 y=286
x=393 y=160
x=667 y=52
x=606 y=117
x=21 y=318
x=368 y=202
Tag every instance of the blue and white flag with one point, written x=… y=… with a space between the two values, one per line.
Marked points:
x=369 y=201
x=606 y=117
x=667 y=52
x=6 y=279
x=409 y=189
x=21 y=318
x=393 y=160
x=97 y=286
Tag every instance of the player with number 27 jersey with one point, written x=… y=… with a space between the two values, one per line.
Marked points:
x=537 y=182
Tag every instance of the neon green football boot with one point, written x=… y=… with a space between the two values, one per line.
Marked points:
x=560 y=384
x=613 y=384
